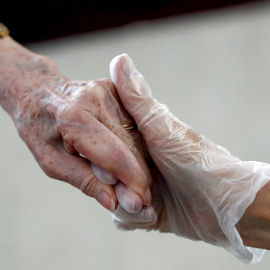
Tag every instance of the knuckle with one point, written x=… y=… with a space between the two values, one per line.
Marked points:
x=104 y=86
x=97 y=92
x=64 y=112
x=72 y=120
x=88 y=185
x=71 y=114
x=105 y=83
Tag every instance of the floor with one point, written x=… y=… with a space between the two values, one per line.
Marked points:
x=211 y=70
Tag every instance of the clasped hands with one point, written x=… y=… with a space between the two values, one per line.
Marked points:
x=164 y=177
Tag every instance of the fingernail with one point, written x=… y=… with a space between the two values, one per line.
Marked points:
x=127 y=67
x=148 y=197
x=106 y=201
x=128 y=199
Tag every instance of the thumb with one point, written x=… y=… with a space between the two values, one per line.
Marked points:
x=153 y=119
x=132 y=88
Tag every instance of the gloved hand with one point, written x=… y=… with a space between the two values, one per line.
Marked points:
x=199 y=191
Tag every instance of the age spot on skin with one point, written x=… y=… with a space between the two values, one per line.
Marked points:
x=45 y=71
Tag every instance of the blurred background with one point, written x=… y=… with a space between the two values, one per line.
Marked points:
x=208 y=62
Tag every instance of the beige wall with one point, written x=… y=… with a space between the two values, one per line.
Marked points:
x=212 y=70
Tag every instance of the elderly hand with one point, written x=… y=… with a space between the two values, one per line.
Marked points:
x=68 y=124
x=200 y=191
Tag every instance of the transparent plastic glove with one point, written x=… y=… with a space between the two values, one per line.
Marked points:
x=200 y=191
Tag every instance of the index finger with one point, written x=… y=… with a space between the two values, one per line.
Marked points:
x=102 y=147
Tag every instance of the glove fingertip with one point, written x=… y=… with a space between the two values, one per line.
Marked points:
x=116 y=66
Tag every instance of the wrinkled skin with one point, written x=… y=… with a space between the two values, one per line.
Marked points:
x=66 y=123
x=70 y=124
x=85 y=118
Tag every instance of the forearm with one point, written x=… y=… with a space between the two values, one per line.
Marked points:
x=19 y=65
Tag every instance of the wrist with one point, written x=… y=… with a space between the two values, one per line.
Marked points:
x=20 y=70
x=254 y=225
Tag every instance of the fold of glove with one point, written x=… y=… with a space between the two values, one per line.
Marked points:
x=201 y=190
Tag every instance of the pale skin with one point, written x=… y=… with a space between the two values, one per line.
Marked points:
x=68 y=124
x=61 y=119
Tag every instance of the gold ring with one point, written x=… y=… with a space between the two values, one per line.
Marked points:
x=130 y=127
x=3 y=30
